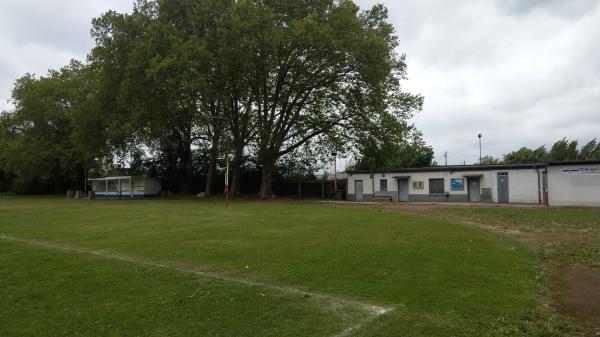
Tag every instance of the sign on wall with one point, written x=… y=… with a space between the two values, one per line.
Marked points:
x=457 y=184
x=582 y=171
x=418 y=185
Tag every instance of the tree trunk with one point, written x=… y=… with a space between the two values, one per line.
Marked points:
x=188 y=169
x=236 y=180
x=266 y=186
x=212 y=170
x=236 y=183
x=85 y=175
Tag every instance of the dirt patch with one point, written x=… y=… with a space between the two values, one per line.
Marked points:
x=577 y=294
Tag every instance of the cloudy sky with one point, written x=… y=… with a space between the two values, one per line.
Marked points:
x=521 y=72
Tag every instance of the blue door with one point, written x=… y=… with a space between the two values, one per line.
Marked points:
x=402 y=189
x=503 y=187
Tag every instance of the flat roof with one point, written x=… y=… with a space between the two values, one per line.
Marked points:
x=574 y=162
x=114 y=178
x=478 y=167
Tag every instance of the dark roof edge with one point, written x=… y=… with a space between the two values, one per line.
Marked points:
x=574 y=162
x=478 y=167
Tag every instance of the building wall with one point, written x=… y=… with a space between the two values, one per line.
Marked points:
x=138 y=187
x=366 y=183
x=523 y=185
x=574 y=185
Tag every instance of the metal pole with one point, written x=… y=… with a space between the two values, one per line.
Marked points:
x=479 y=136
x=335 y=171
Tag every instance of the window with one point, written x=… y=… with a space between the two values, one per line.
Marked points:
x=436 y=186
x=418 y=185
x=383 y=185
x=457 y=184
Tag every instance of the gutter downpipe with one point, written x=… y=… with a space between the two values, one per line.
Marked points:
x=373 y=184
x=545 y=186
x=539 y=186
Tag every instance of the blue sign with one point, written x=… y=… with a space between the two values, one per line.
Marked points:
x=457 y=184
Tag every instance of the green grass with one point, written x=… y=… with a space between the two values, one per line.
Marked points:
x=52 y=293
x=441 y=278
x=567 y=235
x=534 y=219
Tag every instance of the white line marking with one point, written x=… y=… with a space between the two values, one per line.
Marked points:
x=373 y=311
x=349 y=330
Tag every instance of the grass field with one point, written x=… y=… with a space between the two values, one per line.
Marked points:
x=190 y=268
x=568 y=234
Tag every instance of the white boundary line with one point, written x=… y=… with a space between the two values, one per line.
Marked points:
x=349 y=330
x=373 y=311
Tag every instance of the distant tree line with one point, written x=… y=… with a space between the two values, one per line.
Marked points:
x=170 y=88
x=561 y=150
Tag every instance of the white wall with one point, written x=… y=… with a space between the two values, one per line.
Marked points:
x=425 y=176
x=574 y=188
x=522 y=186
x=367 y=185
x=392 y=184
x=522 y=183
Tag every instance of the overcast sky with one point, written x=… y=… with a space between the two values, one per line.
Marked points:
x=523 y=73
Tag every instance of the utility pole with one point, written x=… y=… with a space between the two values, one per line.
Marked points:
x=445 y=158
x=479 y=136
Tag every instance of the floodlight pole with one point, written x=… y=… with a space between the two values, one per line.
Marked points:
x=479 y=136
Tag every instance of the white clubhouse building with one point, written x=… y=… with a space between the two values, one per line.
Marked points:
x=566 y=183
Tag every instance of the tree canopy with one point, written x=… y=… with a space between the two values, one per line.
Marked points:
x=176 y=81
x=561 y=150
x=53 y=136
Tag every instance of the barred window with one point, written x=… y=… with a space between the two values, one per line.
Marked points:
x=436 y=186
x=383 y=185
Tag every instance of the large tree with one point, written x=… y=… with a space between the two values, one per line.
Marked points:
x=165 y=61
x=270 y=74
x=50 y=139
x=316 y=68
x=175 y=81
x=391 y=144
